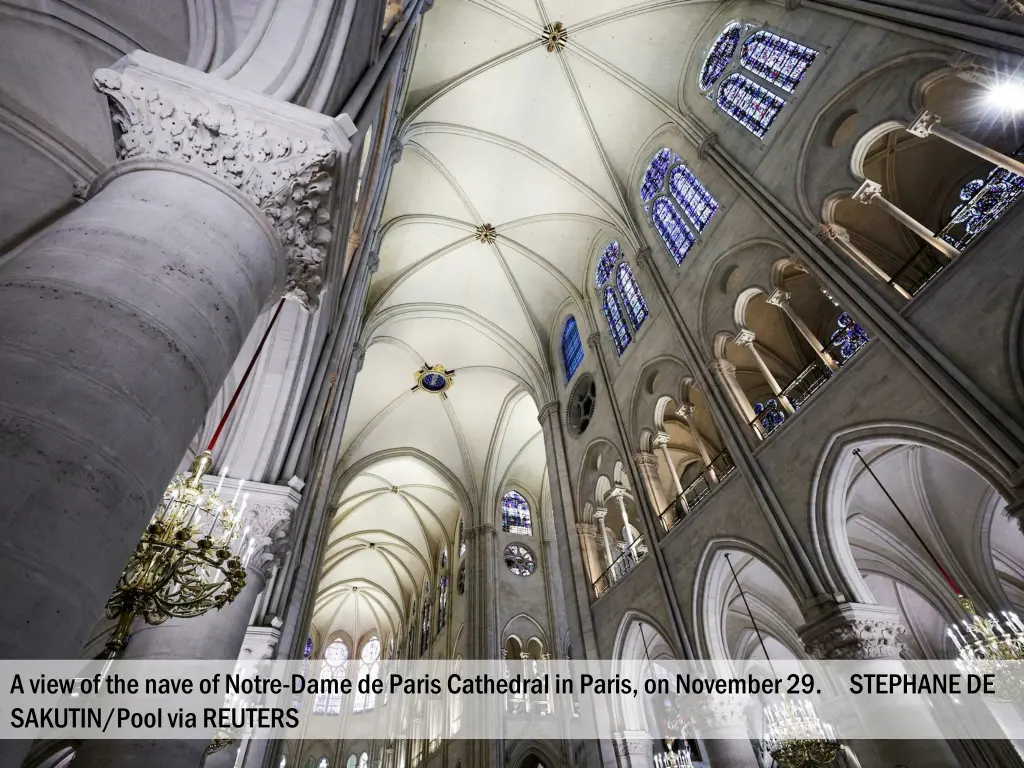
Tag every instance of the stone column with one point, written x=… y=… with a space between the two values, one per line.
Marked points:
x=602 y=533
x=213 y=636
x=862 y=632
x=722 y=727
x=745 y=339
x=685 y=412
x=121 y=320
x=589 y=547
x=680 y=506
x=725 y=373
x=833 y=233
x=780 y=299
x=870 y=193
x=619 y=494
x=647 y=465
x=929 y=124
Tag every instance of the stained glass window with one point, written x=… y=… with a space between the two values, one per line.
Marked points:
x=616 y=321
x=444 y=558
x=412 y=632
x=364 y=760
x=425 y=626
x=697 y=203
x=515 y=514
x=462 y=537
x=572 y=348
x=335 y=667
x=983 y=202
x=719 y=56
x=369 y=667
x=847 y=339
x=673 y=230
x=655 y=175
x=750 y=105
x=779 y=61
x=769 y=414
x=351 y=762
x=636 y=307
x=606 y=263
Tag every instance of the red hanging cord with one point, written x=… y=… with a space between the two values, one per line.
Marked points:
x=945 y=575
x=245 y=377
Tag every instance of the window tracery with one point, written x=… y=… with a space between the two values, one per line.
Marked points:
x=335 y=667
x=695 y=200
x=572 y=348
x=983 y=202
x=673 y=230
x=636 y=307
x=609 y=256
x=516 y=517
x=616 y=321
x=775 y=60
x=369 y=667
x=657 y=169
x=520 y=560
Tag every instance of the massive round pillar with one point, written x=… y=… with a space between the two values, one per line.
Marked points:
x=118 y=325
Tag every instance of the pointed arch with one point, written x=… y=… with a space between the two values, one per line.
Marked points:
x=516 y=516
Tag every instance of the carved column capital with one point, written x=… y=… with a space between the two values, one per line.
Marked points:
x=778 y=297
x=626 y=746
x=259 y=643
x=685 y=412
x=594 y=341
x=855 y=632
x=268 y=525
x=281 y=157
x=372 y=262
x=644 y=259
x=829 y=232
x=721 y=367
x=708 y=143
x=600 y=513
x=586 y=529
x=548 y=410
x=923 y=124
x=744 y=338
x=662 y=438
x=481 y=531
x=868 y=191
x=358 y=356
x=645 y=459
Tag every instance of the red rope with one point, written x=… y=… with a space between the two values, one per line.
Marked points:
x=245 y=377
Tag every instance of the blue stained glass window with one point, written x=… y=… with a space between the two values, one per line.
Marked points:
x=692 y=196
x=572 y=348
x=636 y=307
x=308 y=650
x=848 y=338
x=655 y=175
x=779 y=61
x=606 y=263
x=442 y=602
x=515 y=514
x=769 y=414
x=673 y=230
x=616 y=321
x=750 y=105
x=984 y=201
x=719 y=56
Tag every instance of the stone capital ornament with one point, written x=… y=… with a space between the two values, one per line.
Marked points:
x=744 y=338
x=283 y=158
x=268 y=525
x=548 y=410
x=855 y=632
x=594 y=341
x=829 y=232
x=645 y=459
x=923 y=124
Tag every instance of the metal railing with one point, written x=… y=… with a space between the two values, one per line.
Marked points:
x=694 y=493
x=843 y=346
x=621 y=566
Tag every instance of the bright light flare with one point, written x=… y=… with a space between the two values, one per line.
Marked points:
x=1007 y=96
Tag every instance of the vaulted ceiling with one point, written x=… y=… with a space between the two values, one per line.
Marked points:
x=505 y=126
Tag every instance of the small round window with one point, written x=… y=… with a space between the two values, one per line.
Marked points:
x=582 y=403
x=520 y=560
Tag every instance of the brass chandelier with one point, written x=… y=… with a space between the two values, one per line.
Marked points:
x=793 y=733
x=193 y=554
x=670 y=758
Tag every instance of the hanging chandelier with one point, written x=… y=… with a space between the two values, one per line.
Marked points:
x=985 y=644
x=193 y=554
x=796 y=737
x=793 y=733
x=671 y=758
